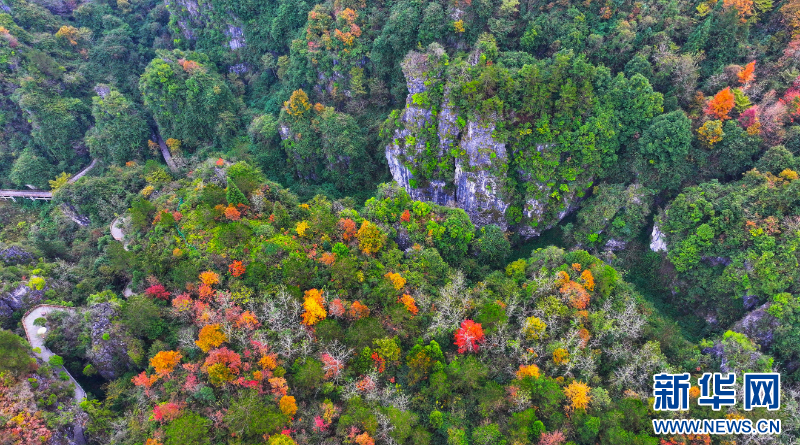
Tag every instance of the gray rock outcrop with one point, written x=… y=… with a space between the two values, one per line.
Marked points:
x=471 y=170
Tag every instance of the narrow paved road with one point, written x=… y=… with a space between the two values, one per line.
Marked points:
x=42 y=194
x=37 y=341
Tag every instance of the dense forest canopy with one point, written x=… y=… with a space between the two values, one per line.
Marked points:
x=394 y=221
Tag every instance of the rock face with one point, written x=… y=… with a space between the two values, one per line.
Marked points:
x=191 y=15
x=109 y=357
x=759 y=326
x=471 y=165
x=658 y=242
x=17 y=299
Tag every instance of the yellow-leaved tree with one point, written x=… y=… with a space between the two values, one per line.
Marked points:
x=314 y=306
x=210 y=337
x=578 y=395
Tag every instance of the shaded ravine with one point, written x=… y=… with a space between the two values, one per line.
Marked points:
x=44 y=353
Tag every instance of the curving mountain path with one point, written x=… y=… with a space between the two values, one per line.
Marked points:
x=37 y=341
x=41 y=194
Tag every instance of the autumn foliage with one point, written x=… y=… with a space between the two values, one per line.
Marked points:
x=527 y=371
x=397 y=280
x=232 y=213
x=209 y=278
x=237 y=269
x=297 y=104
x=165 y=361
x=747 y=74
x=210 y=337
x=578 y=395
x=370 y=238
x=576 y=295
x=358 y=310
x=348 y=228
x=288 y=405
x=157 y=291
x=222 y=365
x=314 y=307
x=409 y=303
x=721 y=104
x=469 y=336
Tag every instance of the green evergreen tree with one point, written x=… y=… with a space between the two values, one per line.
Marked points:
x=234 y=195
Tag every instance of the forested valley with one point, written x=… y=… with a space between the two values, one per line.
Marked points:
x=394 y=221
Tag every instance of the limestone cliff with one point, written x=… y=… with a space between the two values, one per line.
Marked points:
x=437 y=155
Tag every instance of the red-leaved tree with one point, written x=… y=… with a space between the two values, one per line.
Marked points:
x=469 y=336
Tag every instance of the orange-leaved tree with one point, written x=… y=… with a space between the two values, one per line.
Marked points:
x=588 y=279
x=410 y=304
x=165 y=361
x=237 y=269
x=348 y=228
x=721 y=104
x=358 y=310
x=314 y=306
x=209 y=278
x=232 y=213
x=210 y=337
x=576 y=294
x=747 y=74
x=527 y=371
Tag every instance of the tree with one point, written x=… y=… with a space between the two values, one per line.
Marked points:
x=236 y=269
x=469 y=336
x=578 y=395
x=143 y=317
x=710 y=133
x=281 y=439
x=60 y=181
x=234 y=195
x=222 y=365
x=370 y=238
x=31 y=168
x=288 y=406
x=120 y=132
x=189 y=100
x=297 y=104
x=14 y=354
x=210 y=336
x=747 y=74
x=189 y=429
x=396 y=279
x=314 y=307
x=209 y=278
x=164 y=362
x=721 y=104
x=493 y=247
x=666 y=142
